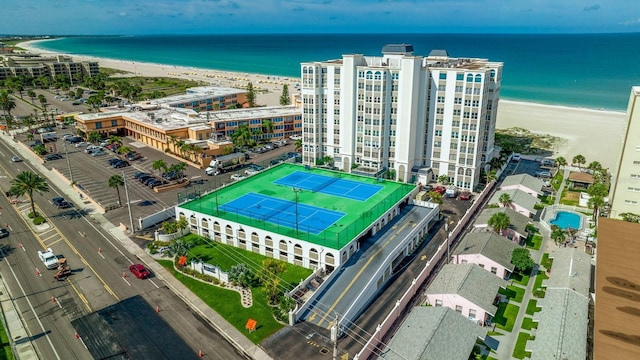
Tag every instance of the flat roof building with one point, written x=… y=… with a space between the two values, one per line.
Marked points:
x=36 y=65
x=398 y=113
x=200 y=98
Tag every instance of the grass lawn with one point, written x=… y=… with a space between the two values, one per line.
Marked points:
x=506 y=316
x=520 y=278
x=534 y=242
x=519 y=350
x=546 y=262
x=514 y=293
x=538 y=290
x=528 y=323
x=5 y=352
x=226 y=256
x=570 y=198
x=532 y=307
x=227 y=304
x=494 y=333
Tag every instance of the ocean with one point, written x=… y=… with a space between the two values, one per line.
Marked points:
x=579 y=70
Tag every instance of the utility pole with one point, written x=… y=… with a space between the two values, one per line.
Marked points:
x=126 y=191
x=66 y=154
x=334 y=336
x=296 y=191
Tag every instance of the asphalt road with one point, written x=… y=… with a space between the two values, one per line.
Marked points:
x=99 y=290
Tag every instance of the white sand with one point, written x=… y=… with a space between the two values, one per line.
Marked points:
x=595 y=134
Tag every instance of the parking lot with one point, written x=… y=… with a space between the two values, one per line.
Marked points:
x=533 y=168
x=92 y=173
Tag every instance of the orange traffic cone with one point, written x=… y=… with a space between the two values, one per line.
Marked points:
x=157 y=309
x=200 y=354
x=76 y=335
x=53 y=299
x=38 y=272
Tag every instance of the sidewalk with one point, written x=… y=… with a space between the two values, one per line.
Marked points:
x=21 y=345
x=235 y=337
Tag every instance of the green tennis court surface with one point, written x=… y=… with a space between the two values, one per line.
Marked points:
x=323 y=228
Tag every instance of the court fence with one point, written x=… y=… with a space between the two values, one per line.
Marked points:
x=335 y=237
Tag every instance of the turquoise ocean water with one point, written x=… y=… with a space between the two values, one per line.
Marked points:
x=581 y=70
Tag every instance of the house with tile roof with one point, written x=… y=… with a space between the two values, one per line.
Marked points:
x=564 y=319
x=427 y=333
x=517 y=231
x=488 y=250
x=467 y=289
x=523 y=182
x=521 y=201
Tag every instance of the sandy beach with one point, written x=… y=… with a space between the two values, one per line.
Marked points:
x=595 y=134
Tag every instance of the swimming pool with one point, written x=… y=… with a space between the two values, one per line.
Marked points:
x=565 y=219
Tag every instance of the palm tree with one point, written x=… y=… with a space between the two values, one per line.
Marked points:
x=596 y=203
x=115 y=181
x=505 y=200
x=579 y=160
x=268 y=126
x=94 y=137
x=561 y=161
x=124 y=150
x=499 y=222
x=114 y=139
x=25 y=184
x=43 y=102
x=436 y=197
x=298 y=144
x=490 y=176
x=557 y=234
x=595 y=166
x=31 y=94
x=242 y=136
x=159 y=165
x=7 y=104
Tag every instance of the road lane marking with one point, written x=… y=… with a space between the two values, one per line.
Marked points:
x=80 y=295
x=355 y=278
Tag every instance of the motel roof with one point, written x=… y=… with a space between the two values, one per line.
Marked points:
x=254 y=113
x=525 y=180
x=490 y=245
x=562 y=329
x=518 y=221
x=427 y=333
x=571 y=269
x=194 y=94
x=161 y=119
x=469 y=281
x=518 y=197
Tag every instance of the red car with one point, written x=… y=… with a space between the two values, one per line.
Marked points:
x=440 y=189
x=465 y=195
x=139 y=271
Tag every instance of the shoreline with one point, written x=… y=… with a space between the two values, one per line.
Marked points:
x=578 y=127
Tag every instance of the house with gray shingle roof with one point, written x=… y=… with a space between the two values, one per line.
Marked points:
x=524 y=182
x=427 y=333
x=489 y=250
x=517 y=231
x=564 y=319
x=520 y=201
x=467 y=289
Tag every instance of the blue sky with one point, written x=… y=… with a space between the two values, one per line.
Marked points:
x=89 y=17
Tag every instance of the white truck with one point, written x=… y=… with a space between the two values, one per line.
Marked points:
x=225 y=163
x=48 y=258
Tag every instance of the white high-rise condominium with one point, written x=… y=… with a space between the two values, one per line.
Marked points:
x=625 y=194
x=401 y=114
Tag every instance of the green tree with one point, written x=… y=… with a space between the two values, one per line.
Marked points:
x=43 y=102
x=521 y=259
x=298 y=145
x=490 y=176
x=436 y=197
x=7 y=104
x=159 y=165
x=242 y=275
x=115 y=181
x=558 y=235
x=594 y=166
x=284 y=98
x=32 y=95
x=499 y=222
x=596 y=203
x=579 y=160
x=114 y=139
x=242 y=136
x=561 y=161
x=94 y=137
x=182 y=223
x=124 y=150
x=505 y=200
x=443 y=179
x=178 y=167
x=251 y=95
x=267 y=126
x=25 y=184
x=40 y=149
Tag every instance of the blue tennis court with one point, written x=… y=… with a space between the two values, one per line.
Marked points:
x=310 y=218
x=332 y=185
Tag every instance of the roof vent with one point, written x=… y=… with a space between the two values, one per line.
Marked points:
x=397 y=49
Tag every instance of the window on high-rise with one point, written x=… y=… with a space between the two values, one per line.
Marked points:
x=459 y=77
x=442 y=87
x=443 y=76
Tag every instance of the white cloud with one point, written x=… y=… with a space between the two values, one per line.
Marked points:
x=630 y=22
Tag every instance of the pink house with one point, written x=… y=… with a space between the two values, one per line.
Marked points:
x=522 y=202
x=517 y=231
x=467 y=289
x=523 y=182
x=488 y=250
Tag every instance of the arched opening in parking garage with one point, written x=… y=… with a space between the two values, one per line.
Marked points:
x=330 y=263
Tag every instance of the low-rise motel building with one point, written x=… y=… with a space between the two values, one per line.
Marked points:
x=194 y=137
x=308 y=216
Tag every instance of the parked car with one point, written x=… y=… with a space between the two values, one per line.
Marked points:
x=15 y=158
x=237 y=177
x=543 y=174
x=148 y=180
x=74 y=140
x=515 y=157
x=131 y=156
x=139 y=174
x=120 y=164
x=139 y=271
x=295 y=137
x=67 y=136
x=81 y=144
x=57 y=200
x=51 y=157
x=465 y=195
x=440 y=189
x=144 y=178
x=99 y=152
x=113 y=161
x=4 y=233
x=155 y=183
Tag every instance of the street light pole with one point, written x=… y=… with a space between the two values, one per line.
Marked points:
x=126 y=192
x=66 y=154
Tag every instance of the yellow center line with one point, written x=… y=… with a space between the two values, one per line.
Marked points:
x=355 y=278
x=80 y=295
